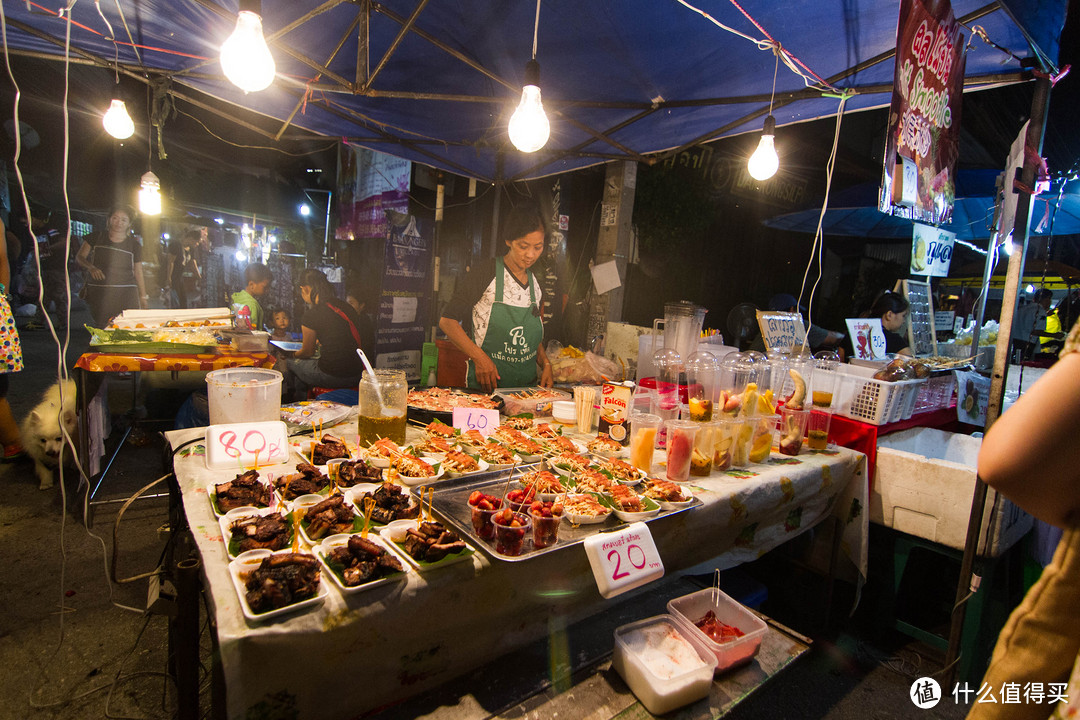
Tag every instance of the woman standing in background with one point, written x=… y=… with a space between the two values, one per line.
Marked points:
x=113 y=260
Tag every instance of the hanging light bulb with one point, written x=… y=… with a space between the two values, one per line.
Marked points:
x=529 y=128
x=117 y=122
x=245 y=57
x=150 y=194
x=764 y=162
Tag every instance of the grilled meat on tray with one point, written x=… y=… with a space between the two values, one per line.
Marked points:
x=363 y=560
x=245 y=490
x=308 y=480
x=329 y=517
x=351 y=473
x=390 y=504
x=261 y=531
x=432 y=542
x=329 y=448
x=281 y=580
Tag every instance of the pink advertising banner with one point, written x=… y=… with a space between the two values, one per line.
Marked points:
x=370 y=183
x=922 y=141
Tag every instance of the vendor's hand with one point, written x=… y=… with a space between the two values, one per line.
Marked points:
x=486 y=373
x=96 y=274
x=547 y=377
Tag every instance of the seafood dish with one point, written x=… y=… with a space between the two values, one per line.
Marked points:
x=593 y=481
x=545 y=431
x=582 y=509
x=439 y=429
x=570 y=461
x=622 y=471
x=494 y=453
x=459 y=462
x=472 y=438
x=433 y=445
x=517 y=441
x=602 y=444
x=260 y=532
x=328 y=448
x=306 y=481
x=412 y=466
x=518 y=423
x=665 y=490
x=246 y=490
x=543 y=481
x=431 y=542
x=381 y=452
x=446 y=399
x=281 y=579
x=350 y=473
x=390 y=504
x=560 y=444
x=537 y=393
x=361 y=560
x=625 y=499
x=329 y=517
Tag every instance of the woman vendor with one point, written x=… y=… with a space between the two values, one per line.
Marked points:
x=499 y=302
x=892 y=308
x=113 y=260
x=332 y=325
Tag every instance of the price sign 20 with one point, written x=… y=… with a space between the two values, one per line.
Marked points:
x=624 y=559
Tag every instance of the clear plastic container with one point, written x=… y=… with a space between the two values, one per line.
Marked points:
x=237 y=395
x=662 y=663
x=690 y=609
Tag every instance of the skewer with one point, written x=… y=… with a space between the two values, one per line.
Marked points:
x=506 y=488
x=369 y=507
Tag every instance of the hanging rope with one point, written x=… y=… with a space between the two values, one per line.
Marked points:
x=162 y=108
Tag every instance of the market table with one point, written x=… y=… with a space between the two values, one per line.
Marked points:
x=93 y=417
x=362 y=651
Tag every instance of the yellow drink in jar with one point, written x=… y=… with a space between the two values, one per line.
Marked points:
x=641 y=448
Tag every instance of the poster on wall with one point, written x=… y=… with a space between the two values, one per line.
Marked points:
x=923 y=134
x=931 y=250
x=369 y=184
x=404 y=304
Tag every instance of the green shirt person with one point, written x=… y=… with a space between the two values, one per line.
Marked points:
x=246 y=301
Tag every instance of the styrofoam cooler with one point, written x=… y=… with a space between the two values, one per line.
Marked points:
x=924 y=482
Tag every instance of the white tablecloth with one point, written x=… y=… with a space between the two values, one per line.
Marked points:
x=371 y=648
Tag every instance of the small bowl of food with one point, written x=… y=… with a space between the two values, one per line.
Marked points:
x=397 y=529
x=584 y=509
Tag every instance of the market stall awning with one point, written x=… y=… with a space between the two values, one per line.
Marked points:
x=435 y=82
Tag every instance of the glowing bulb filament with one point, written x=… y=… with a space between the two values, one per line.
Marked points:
x=117 y=122
x=245 y=57
x=764 y=162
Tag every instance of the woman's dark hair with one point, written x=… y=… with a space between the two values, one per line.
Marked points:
x=321 y=289
x=522 y=220
x=126 y=209
x=888 y=302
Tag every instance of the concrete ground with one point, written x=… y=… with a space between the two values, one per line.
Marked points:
x=75 y=644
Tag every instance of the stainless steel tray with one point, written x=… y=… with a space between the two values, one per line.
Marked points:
x=452 y=503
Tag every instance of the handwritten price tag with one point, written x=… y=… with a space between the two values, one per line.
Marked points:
x=483 y=420
x=242 y=444
x=624 y=559
x=781 y=330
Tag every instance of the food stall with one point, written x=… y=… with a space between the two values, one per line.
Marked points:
x=435 y=621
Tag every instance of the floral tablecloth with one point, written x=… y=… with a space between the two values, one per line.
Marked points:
x=361 y=651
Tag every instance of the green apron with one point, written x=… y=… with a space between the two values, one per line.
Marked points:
x=513 y=336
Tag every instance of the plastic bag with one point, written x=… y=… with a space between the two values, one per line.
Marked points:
x=571 y=365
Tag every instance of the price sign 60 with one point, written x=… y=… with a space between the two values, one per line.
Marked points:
x=483 y=420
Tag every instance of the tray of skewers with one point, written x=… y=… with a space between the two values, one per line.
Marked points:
x=532 y=510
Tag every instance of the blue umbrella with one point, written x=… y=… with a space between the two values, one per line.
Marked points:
x=854 y=212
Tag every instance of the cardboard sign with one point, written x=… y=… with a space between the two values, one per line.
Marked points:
x=781 y=330
x=931 y=250
x=867 y=338
x=247 y=444
x=623 y=559
x=483 y=420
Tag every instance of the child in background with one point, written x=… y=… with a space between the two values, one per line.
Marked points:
x=246 y=301
x=281 y=326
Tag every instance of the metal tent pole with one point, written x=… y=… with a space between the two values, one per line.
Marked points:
x=1040 y=102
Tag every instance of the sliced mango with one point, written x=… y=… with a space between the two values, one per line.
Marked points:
x=766 y=403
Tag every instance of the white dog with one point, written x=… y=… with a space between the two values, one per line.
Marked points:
x=42 y=432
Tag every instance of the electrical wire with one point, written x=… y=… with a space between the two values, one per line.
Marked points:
x=116 y=536
x=254 y=147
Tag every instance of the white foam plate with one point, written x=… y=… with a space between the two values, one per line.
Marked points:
x=425 y=566
x=227 y=519
x=248 y=561
x=211 y=495
x=323 y=549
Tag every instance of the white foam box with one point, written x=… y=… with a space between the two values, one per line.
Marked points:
x=924 y=482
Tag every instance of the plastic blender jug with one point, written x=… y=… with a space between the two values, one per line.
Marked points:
x=682 y=326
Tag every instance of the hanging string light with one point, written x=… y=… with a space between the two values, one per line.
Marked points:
x=529 y=128
x=117 y=122
x=764 y=162
x=245 y=56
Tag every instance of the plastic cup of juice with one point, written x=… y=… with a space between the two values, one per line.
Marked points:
x=680 y=447
x=643 y=427
x=817 y=433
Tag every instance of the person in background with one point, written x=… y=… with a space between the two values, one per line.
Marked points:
x=113 y=260
x=817 y=338
x=54 y=275
x=11 y=361
x=332 y=326
x=499 y=303
x=181 y=269
x=1031 y=456
x=1029 y=324
x=281 y=322
x=358 y=300
x=258 y=277
x=892 y=308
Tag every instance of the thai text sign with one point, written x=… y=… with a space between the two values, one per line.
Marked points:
x=924 y=119
x=931 y=250
x=781 y=330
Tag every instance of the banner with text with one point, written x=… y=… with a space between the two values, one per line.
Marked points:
x=404 y=304
x=369 y=184
x=923 y=136
x=931 y=250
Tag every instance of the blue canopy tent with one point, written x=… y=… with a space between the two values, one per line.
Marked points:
x=435 y=82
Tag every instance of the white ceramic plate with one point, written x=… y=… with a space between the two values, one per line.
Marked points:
x=250 y=560
x=227 y=519
x=423 y=566
x=323 y=549
x=211 y=495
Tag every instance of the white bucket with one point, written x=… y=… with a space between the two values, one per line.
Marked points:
x=243 y=395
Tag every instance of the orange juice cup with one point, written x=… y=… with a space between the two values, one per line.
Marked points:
x=643 y=427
